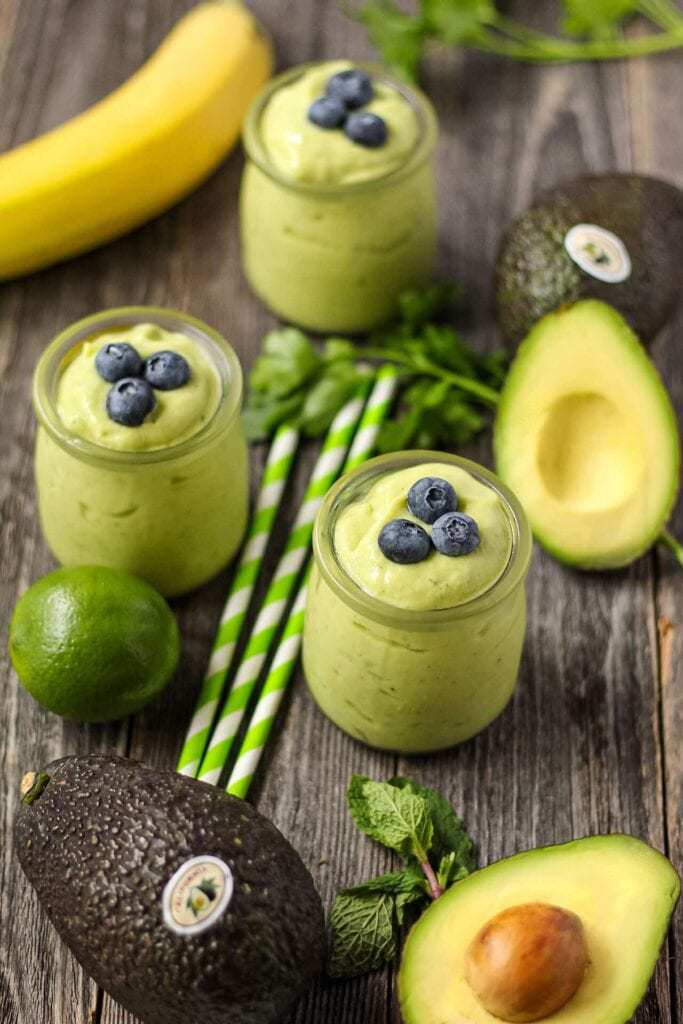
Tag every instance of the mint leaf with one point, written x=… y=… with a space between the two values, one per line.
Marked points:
x=391 y=883
x=450 y=835
x=393 y=817
x=325 y=397
x=597 y=20
x=363 y=934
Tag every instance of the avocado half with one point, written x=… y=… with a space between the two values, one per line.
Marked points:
x=535 y=272
x=621 y=889
x=587 y=438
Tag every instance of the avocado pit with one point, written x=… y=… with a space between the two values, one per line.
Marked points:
x=527 y=961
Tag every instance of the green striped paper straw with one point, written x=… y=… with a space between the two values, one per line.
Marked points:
x=287 y=653
x=275 y=474
x=324 y=474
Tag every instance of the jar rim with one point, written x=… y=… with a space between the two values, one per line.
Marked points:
x=422 y=150
x=51 y=362
x=352 y=594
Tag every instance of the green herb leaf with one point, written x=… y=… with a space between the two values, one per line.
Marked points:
x=597 y=20
x=392 y=816
x=363 y=934
x=288 y=361
x=398 y=36
x=458 y=21
x=449 y=834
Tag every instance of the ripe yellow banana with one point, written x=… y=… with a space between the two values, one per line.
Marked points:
x=140 y=149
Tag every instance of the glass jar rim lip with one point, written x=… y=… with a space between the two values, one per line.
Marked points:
x=424 y=144
x=380 y=611
x=52 y=357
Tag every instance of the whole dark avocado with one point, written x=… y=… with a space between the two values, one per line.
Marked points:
x=234 y=937
x=535 y=273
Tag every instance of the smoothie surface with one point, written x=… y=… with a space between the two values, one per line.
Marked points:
x=439 y=581
x=306 y=153
x=177 y=415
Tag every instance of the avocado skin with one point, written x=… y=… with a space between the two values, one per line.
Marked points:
x=535 y=274
x=99 y=845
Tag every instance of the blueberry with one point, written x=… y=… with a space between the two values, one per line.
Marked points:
x=353 y=88
x=118 y=359
x=431 y=497
x=366 y=129
x=403 y=541
x=129 y=401
x=166 y=371
x=455 y=534
x=327 y=112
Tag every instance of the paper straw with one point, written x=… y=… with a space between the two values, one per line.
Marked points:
x=287 y=653
x=275 y=474
x=324 y=474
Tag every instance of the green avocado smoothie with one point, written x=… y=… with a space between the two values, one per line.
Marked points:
x=159 y=489
x=335 y=227
x=415 y=657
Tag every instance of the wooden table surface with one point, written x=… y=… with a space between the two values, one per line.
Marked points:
x=592 y=740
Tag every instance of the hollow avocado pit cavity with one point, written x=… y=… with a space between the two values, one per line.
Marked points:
x=589 y=456
x=527 y=962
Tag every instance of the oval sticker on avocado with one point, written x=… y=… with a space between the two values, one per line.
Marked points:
x=197 y=895
x=599 y=252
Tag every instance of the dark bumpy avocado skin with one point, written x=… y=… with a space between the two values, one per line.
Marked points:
x=535 y=274
x=99 y=844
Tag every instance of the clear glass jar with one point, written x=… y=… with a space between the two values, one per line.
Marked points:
x=336 y=257
x=173 y=515
x=403 y=680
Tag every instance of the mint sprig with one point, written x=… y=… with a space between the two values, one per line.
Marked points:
x=592 y=30
x=420 y=826
x=446 y=388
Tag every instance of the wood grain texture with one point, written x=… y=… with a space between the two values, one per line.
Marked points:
x=592 y=740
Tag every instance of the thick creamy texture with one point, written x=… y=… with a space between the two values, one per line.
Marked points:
x=174 y=520
x=439 y=581
x=406 y=686
x=177 y=415
x=337 y=261
x=304 y=152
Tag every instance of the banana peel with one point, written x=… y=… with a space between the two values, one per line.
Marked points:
x=140 y=149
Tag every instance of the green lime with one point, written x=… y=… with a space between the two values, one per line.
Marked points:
x=93 y=643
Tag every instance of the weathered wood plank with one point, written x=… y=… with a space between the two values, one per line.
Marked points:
x=579 y=750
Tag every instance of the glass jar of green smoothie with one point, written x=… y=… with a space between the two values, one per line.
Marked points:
x=415 y=657
x=334 y=230
x=165 y=498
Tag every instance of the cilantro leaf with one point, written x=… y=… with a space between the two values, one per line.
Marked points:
x=395 y=818
x=398 y=36
x=288 y=361
x=363 y=933
x=597 y=20
x=458 y=21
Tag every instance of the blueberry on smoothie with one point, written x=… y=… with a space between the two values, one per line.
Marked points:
x=116 y=360
x=353 y=88
x=327 y=112
x=366 y=129
x=404 y=542
x=166 y=371
x=431 y=497
x=455 y=534
x=129 y=401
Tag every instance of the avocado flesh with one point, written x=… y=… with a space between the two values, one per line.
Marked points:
x=100 y=842
x=535 y=274
x=623 y=891
x=586 y=436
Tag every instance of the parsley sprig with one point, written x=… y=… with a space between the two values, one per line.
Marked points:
x=446 y=387
x=421 y=827
x=595 y=25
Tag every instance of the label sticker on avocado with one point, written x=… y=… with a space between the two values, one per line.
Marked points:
x=599 y=252
x=197 y=895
